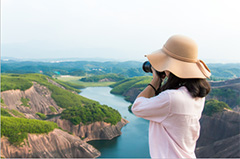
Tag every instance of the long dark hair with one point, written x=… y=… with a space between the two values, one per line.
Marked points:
x=197 y=87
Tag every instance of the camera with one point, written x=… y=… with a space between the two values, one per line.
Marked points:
x=147 y=67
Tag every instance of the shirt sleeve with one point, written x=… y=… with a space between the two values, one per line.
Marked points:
x=155 y=109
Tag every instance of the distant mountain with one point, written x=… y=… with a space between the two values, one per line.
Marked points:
x=76 y=67
x=224 y=71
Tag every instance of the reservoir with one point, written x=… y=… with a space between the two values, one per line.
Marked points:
x=133 y=143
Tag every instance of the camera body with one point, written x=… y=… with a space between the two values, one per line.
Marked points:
x=147 y=67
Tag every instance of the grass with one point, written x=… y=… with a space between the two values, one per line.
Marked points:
x=75 y=80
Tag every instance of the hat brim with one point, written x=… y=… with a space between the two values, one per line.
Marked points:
x=160 y=61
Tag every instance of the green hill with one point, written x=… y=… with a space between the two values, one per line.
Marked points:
x=135 y=82
x=64 y=98
x=130 y=87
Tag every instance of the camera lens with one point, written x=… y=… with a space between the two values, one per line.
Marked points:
x=147 y=67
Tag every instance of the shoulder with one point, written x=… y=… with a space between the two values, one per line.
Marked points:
x=160 y=98
x=181 y=102
x=178 y=93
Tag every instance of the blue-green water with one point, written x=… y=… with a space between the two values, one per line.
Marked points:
x=133 y=143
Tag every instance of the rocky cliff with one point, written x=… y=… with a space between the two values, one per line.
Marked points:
x=39 y=97
x=93 y=131
x=218 y=130
x=56 y=144
x=131 y=94
x=226 y=148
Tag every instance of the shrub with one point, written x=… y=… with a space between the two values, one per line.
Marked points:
x=4 y=112
x=213 y=106
x=52 y=109
x=2 y=102
x=16 y=129
x=42 y=116
x=130 y=108
x=25 y=102
x=91 y=113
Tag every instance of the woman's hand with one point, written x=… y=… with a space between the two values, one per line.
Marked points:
x=149 y=91
x=156 y=81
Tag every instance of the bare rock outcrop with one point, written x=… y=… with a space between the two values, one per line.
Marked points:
x=226 y=148
x=131 y=94
x=56 y=144
x=93 y=131
x=39 y=97
x=218 y=130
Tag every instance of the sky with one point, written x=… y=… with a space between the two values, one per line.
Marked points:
x=118 y=29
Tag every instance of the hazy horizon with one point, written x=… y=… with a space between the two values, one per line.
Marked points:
x=117 y=30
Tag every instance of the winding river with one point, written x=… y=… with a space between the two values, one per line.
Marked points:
x=133 y=143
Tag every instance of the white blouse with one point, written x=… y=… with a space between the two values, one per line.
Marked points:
x=174 y=122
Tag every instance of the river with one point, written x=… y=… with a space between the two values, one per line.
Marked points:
x=133 y=143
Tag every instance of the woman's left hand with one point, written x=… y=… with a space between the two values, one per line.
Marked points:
x=156 y=81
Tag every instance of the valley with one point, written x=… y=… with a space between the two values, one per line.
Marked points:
x=99 y=114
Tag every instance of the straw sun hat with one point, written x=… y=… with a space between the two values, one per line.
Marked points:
x=179 y=56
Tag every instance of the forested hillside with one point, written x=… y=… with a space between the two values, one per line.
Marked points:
x=75 y=106
x=29 y=101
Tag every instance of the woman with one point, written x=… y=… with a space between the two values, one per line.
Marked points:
x=175 y=112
